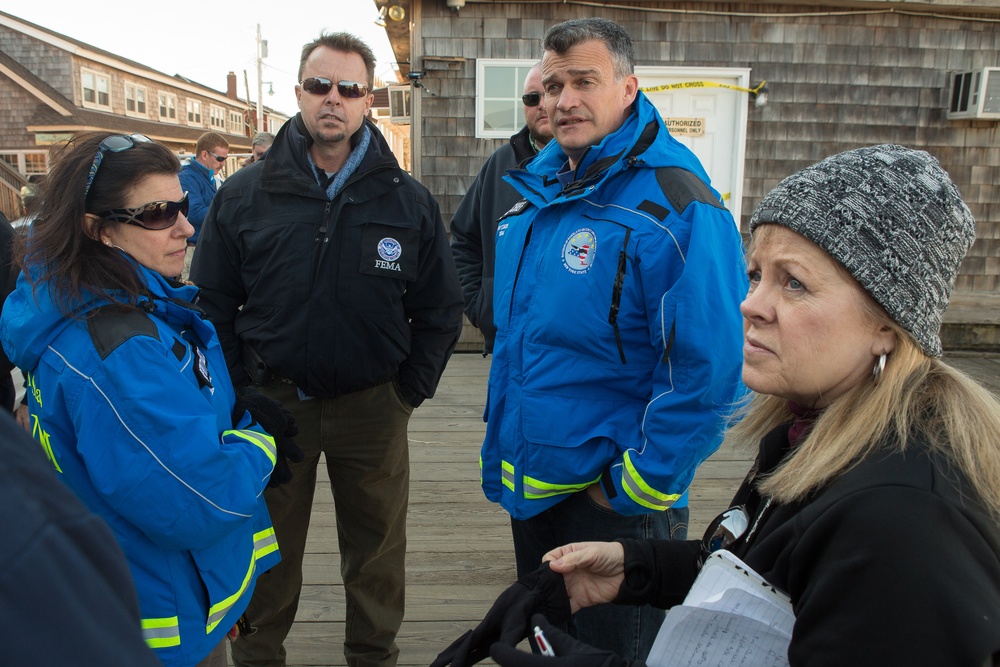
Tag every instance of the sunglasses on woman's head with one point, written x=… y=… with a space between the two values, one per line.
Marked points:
x=317 y=85
x=155 y=215
x=531 y=99
x=116 y=143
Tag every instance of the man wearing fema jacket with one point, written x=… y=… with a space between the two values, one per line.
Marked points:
x=619 y=335
x=327 y=272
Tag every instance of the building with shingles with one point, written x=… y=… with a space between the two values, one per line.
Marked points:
x=53 y=86
x=838 y=76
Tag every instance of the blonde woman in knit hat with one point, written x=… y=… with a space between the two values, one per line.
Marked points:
x=874 y=503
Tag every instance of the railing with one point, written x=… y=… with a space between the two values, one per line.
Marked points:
x=11 y=182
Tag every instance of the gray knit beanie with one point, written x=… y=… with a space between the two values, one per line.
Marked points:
x=893 y=218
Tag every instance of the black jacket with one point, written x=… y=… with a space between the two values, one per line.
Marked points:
x=474 y=230
x=66 y=592
x=894 y=563
x=335 y=296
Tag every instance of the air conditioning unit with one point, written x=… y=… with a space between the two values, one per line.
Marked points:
x=975 y=94
x=399 y=105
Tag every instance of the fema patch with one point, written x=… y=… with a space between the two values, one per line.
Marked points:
x=579 y=250
x=389 y=249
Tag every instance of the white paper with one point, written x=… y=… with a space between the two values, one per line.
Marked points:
x=731 y=616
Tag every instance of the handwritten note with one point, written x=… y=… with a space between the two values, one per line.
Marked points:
x=730 y=617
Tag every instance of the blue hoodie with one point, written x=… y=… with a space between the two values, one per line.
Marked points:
x=134 y=411
x=619 y=335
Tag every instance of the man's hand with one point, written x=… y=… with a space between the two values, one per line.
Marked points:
x=593 y=571
x=596 y=494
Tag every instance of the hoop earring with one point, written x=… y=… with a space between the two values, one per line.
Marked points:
x=879 y=368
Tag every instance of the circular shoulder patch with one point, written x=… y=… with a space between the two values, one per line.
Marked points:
x=389 y=249
x=579 y=251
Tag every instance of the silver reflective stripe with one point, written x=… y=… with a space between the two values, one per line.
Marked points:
x=644 y=498
x=263 y=540
x=264 y=442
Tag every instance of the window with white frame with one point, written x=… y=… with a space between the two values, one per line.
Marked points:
x=499 y=86
x=35 y=162
x=27 y=162
x=194 y=112
x=235 y=122
x=96 y=89
x=168 y=107
x=217 y=118
x=135 y=100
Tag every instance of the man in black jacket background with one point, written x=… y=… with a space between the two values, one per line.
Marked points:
x=474 y=225
x=327 y=272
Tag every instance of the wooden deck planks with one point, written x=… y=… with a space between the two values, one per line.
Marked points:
x=459 y=555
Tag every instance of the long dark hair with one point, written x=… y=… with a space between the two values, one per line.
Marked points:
x=59 y=249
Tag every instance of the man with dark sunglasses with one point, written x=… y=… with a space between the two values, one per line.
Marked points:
x=474 y=225
x=198 y=179
x=326 y=270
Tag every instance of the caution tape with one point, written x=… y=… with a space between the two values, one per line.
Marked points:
x=701 y=84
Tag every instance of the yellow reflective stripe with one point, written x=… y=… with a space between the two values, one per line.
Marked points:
x=262 y=440
x=161 y=632
x=264 y=542
x=507 y=474
x=534 y=488
x=641 y=492
x=480 y=470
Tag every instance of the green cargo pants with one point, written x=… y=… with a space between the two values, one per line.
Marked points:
x=363 y=435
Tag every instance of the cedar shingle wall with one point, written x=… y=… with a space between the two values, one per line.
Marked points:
x=836 y=83
x=51 y=64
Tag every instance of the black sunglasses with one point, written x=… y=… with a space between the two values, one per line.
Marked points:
x=725 y=530
x=116 y=143
x=155 y=215
x=320 y=86
x=531 y=99
x=218 y=158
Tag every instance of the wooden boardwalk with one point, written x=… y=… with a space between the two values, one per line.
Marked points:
x=459 y=555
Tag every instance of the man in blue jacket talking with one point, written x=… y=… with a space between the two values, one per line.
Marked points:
x=619 y=336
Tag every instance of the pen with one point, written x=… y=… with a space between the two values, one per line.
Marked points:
x=543 y=643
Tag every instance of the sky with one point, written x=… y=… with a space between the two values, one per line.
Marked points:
x=205 y=40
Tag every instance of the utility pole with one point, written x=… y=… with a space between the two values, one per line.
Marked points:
x=261 y=54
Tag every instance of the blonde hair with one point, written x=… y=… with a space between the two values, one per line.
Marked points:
x=916 y=395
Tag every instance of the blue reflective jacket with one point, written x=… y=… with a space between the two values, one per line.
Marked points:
x=619 y=335
x=134 y=411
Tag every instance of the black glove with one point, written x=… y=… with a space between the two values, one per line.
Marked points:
x=569 y=652
x=508 y=620
x=279 y=423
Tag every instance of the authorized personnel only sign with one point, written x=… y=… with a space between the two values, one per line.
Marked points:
x=686 y=127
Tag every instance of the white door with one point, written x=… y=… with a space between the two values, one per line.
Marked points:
x=708 y=119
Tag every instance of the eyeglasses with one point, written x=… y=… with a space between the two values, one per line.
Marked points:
x=155 y=215
x=116 y=143
x=219 y=158
x=320 y=86
x=531 y=99
x=725 y=530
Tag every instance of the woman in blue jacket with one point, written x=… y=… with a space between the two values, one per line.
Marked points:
x=129 y=395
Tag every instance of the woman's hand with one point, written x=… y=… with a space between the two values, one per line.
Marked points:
x=593 y=571
x=22 y=418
